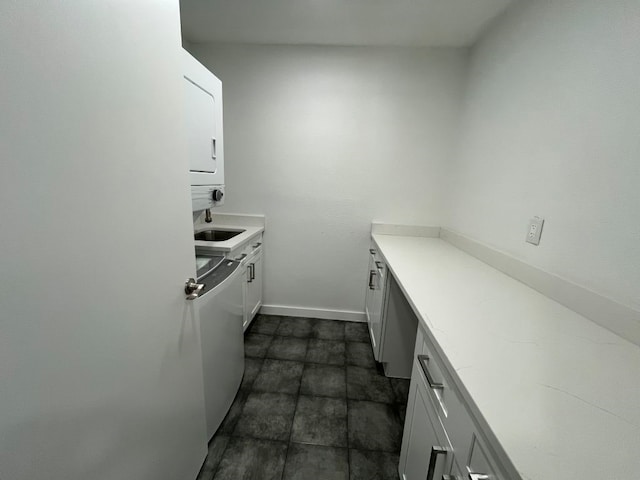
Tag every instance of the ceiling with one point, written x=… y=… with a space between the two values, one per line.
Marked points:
x=451 y=23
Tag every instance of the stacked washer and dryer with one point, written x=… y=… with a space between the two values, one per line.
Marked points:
x=217 y=291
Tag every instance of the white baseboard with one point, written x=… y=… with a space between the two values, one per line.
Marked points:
x=288 y=311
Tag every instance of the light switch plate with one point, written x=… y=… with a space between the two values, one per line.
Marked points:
x=535 y=230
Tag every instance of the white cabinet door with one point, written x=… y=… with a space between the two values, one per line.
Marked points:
x=253 y=286
x=100 y=362
x=376 y=311
x=246 y=317
x=368 y=302
x=426 y=452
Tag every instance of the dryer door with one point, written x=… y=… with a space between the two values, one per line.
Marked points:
x=203 y=122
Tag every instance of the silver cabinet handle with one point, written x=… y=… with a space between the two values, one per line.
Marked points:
x=478 y=476
x=253 y=271
x=193 y=289
x=257 y=245
x=422 y=360
x=379 y=265
x=433 y=459
x=213 y=148
x=372 y=274
x=241 y=257
x=249 y=280
x=372 y=251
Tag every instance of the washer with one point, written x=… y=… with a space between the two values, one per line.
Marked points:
x=221 y=336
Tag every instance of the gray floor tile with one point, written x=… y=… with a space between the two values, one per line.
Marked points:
x=217 y=446
x=401 y=409
x=400 y=388
x=328 y=329
x=367 y=465
x=360 y=354
x=356 y=332
x=266 y=415
x=323 y=380
x=256 y=344
x=279 y=376
x=252 y=367
x=288 y=348
x=311 y=462
x=373 y=426
x=320 y=421
x=205 y=474
x=252 y=459
x=330 y=352
x=368 y=384
x=229 y=423
x=294 y=327
x=265 y=324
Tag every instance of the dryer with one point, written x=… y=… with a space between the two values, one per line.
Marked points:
x=204 y=133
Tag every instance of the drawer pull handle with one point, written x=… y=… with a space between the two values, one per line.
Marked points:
x=241 y=257
x=379 y=265
x=478 y=476
x=422 y=360
x=257 y=245
x=433 y=459
x=372 y=251
x=372 y=273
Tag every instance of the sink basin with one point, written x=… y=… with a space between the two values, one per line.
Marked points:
x=216 y=235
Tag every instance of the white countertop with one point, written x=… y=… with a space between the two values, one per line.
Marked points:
x=561 y=394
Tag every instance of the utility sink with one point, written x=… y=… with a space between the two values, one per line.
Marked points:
x=217 y=234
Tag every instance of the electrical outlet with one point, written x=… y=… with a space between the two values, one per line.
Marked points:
x=535 y=230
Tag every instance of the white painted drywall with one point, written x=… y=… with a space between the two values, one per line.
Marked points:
x=551 y=127
x=324 y=140
x=100 y=366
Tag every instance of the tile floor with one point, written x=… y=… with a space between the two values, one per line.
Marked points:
x=313 y=404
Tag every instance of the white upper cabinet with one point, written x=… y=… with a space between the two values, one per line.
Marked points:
x=203 y=120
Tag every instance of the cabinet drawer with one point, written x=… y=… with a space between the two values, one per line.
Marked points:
x=426 y=451
x=431 y=370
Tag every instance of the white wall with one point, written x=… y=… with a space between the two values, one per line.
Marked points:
x=551 y=127
x=323 y=140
